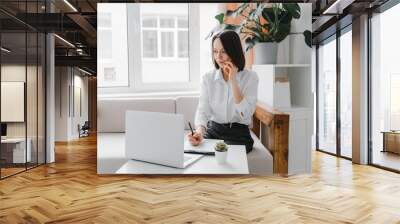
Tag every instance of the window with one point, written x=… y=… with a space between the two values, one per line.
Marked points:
x=327 y=97
x=346 y=75
x=394 y=101
x=335 y=107
x=385 y=87
x=149 y=32
x=163 y=58
x=166 y=47
x=168 y=28
x=112 y=58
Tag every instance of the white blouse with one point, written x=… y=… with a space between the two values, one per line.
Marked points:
x=217 y=103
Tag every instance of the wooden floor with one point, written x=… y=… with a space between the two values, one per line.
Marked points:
x=70 y=191
x=10 y=171
x=386 y=159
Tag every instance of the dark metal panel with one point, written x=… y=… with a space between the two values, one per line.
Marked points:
x=50 y=22
x=338 y=6
x=386 y=5
x=84 y=24
x=338 y=91
x=333 y=27
x=317 y=97
x=77 y=61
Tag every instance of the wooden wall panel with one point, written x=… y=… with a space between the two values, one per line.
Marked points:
x=92 y=83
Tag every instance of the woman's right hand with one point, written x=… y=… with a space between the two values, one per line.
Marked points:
x=196 y=138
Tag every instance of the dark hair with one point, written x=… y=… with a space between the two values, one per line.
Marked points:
x=233 y=47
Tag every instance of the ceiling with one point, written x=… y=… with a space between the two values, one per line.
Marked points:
x=76 y=26
x=76 y=22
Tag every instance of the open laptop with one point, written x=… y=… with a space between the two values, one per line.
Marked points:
x=156 y=138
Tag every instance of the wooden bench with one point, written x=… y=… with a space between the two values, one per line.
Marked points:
x=272 y=128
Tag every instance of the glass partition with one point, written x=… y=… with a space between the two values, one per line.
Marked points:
x=13 y=105
x=31 y=99
x=327 y=97
x=385 y=90
x=346 y=94
x=23 y=90
x=41 y=79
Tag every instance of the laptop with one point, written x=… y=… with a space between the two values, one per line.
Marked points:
x=156 y=138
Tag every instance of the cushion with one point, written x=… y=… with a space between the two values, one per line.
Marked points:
x=187 y=106
x=259 y=159
x=111 y=112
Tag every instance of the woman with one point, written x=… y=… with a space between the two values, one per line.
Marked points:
x=228 y=95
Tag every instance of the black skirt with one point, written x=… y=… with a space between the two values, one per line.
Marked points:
x=231 y=133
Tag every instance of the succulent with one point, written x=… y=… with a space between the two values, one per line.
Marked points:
x=221 y=147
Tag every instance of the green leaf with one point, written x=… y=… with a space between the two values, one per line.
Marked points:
x=216 y=29
x=282 y=32
x=258 y=11
x=268 y=14
x=307 y=37
x=220 y=18
x=250 y=42
x=231 y=27
x=285 y=17
x=252 y=15
x=293 y=9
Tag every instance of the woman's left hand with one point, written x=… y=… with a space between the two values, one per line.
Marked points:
x=230 y=69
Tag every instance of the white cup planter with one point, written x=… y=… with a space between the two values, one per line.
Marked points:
x=265 y=53
x=221 y=154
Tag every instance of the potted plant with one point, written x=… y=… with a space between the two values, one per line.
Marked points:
x=221 y=152
x=264 y=26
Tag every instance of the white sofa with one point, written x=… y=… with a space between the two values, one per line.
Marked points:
x=111 y=119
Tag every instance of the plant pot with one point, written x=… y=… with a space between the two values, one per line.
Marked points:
x=265 y=53
x=221 y=156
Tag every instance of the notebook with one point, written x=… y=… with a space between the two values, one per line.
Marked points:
x=206 y=146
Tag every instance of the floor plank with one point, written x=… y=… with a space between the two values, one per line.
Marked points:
x=70 y=191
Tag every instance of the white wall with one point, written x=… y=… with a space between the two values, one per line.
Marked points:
x=62 y=81
x=50 y=94
x=68 y=82
x=360 y=90
x=12 y=73
x=314 y=87
x=33 y=125
x=80 y=83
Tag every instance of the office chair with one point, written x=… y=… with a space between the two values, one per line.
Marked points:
x=84 y=130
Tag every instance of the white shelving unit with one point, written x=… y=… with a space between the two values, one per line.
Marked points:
x=291 y=65
x=300 y=109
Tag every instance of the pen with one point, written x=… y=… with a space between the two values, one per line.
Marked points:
x=190 y=126
x=200 y=152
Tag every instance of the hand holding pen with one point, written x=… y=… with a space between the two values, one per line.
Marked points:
x=195 y=137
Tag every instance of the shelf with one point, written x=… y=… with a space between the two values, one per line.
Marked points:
x=287 y=65
x=292 y=65
x=294 y=108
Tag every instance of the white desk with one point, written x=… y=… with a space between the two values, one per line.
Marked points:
x=111 y=148
x=18 y=150
x=236 y=164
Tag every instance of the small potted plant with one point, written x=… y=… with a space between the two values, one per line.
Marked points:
x=221 y=152
x=264 y=25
